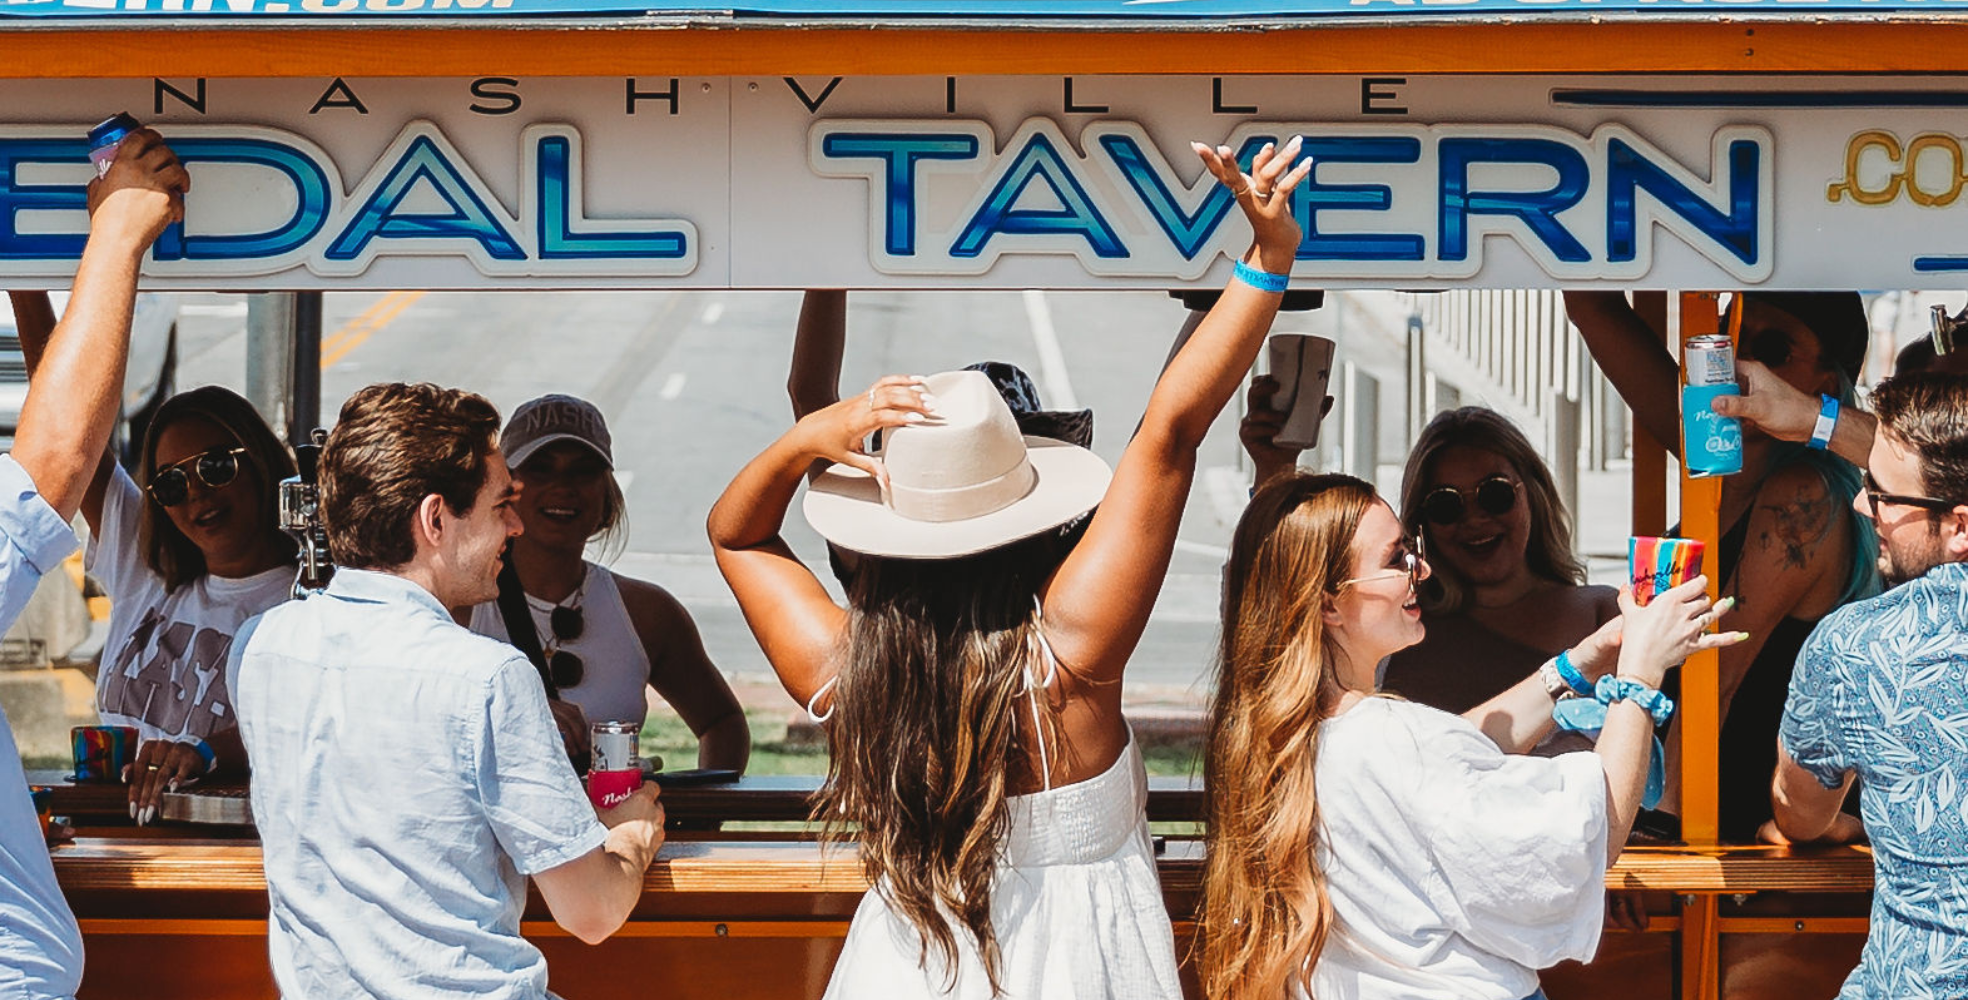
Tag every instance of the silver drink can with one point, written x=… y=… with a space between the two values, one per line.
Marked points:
x=615 y=772
x=614 y=746
x=1711 y=359
x=1711 y=444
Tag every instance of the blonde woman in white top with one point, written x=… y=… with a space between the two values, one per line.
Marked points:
x=1367 y=847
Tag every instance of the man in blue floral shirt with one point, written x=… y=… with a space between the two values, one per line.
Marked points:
x=1881 y=693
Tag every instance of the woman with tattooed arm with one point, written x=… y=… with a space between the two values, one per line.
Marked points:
x=1792 y=548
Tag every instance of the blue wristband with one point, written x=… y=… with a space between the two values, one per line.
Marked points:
x=1827 y=422
x=205 y=752
x=1572 y=675
x=1263 y=281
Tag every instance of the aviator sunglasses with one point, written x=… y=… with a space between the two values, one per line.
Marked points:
x=1495 y=496
x=215 y=467
x=567 y=624
x=1412 y=555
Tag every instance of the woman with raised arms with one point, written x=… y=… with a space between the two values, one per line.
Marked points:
x=973 y=683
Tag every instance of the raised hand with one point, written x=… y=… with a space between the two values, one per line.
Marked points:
x=1265 y=196
x=142 y=193
x=1772 y=404
x=1672 y=627
x=1260 y=429
x=837 y=432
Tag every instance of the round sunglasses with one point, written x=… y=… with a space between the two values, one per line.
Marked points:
x=216 y=467
x=1495 y=496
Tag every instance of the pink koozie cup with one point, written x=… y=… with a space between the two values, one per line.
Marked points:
x=608 y=789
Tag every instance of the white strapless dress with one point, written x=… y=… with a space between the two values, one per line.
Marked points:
x=1077 y=907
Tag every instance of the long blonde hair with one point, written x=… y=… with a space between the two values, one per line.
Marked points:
x=1265 y=912
x=1549 y=551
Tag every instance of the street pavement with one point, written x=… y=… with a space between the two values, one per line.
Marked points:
x=693 y=385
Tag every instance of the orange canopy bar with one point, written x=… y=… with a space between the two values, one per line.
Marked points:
x=1623 y=45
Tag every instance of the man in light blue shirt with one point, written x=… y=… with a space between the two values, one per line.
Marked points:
x=407 y=775
x=64 y=425
x=1879 y=693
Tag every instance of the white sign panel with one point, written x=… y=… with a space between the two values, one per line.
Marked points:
x=1010 y=181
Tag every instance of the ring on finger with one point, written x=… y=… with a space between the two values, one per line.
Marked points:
x=1261 y=195
x=871 y=399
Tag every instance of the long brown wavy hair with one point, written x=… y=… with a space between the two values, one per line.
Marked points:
x=924 y=743
x=1265 y=911
x=1549 y=551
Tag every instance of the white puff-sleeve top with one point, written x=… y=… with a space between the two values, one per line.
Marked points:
x=1455 y=870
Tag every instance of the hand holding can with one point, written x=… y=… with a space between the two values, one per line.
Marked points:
x=106 y=138
x=615 y=773
x=1658 y=564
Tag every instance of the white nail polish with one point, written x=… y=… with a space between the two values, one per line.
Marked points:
x=133 y=810
x=914 y=418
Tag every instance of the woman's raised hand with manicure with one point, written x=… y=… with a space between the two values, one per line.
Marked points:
x=1265 y=196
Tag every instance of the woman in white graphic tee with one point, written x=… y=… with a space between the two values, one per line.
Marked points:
x=186 y=558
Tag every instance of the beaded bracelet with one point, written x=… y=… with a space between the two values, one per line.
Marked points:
x=1263 y=281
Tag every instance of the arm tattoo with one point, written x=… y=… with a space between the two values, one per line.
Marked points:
x=1800 y=525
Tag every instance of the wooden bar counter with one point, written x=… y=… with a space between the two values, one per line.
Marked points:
x=179 y=911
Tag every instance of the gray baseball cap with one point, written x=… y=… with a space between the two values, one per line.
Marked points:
x=540 y=422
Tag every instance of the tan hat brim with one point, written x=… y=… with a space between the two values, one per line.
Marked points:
x=844 y=505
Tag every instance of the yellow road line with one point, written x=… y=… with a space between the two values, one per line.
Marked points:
x=361 y=319
x=364 y=326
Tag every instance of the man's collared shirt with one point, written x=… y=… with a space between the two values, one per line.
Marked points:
x=40 y=945
x=407 y=776
x=1881 y=689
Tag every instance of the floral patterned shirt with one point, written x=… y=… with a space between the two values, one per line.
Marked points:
x=1881 y=689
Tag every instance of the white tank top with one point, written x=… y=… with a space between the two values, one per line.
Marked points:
x=616 y=667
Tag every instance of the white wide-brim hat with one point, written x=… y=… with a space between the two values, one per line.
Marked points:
x=961 y=482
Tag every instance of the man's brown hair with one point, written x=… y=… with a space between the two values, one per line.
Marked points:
x=393 y=445
x=1928 y=412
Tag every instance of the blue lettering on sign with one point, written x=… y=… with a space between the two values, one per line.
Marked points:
x=1737 y=227
x=311 y=204
x=1314 y=196
x=1038 y=160
x=1187 y=232
x=469 y=219
x=558 y=208
x=17 y=197
x=900 y=151
x=1538 y=210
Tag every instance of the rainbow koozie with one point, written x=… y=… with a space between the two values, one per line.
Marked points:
x=102 y=752
x=1657 y=564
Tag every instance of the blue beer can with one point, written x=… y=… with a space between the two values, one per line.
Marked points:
x=104 y=138
x=1711 y=444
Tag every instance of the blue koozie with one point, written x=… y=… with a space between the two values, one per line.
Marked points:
x=1711 y=444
